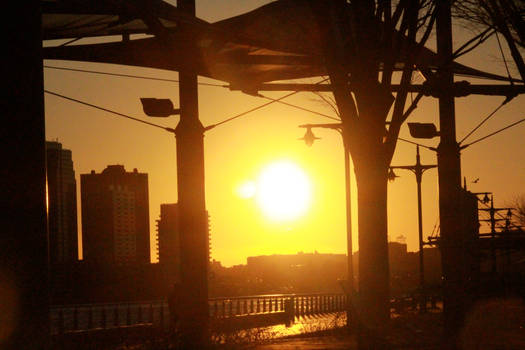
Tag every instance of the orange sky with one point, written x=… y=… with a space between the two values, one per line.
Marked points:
x=237 y=151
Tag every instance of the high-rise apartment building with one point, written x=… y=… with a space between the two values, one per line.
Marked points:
x=168 y=235
x=169 y=242
x=62 y=204
x=115 y=216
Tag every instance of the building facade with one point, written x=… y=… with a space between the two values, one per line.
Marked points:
x=168 y=235
x=115 y=216
x=62 y=204
x=169 y=241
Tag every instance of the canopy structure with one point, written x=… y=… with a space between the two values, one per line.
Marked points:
x=278 y=41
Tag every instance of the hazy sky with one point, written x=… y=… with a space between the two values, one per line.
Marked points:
x=237 y=151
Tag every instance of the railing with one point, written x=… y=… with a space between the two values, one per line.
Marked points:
x=293 y=305
x=72 y=318
x=85 y=317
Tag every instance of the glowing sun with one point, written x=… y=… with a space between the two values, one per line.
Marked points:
x=283 y=191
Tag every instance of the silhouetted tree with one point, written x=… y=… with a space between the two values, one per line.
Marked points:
x=369 y=46
x=504 y=16
x=518 y=203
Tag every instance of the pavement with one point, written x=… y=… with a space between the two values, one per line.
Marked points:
x=311 y=343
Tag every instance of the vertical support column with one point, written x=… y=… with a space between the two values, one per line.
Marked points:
x=24 y=290
x=449 y=171
x=349 y=245
x=418 y=171
x=191 y=198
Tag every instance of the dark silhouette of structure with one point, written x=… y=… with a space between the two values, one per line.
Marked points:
x=325 y=38
x=418 y=169
x=168 y=239
x=168 y=234
x=62 y=204
x=23 y=240
x=115 y=216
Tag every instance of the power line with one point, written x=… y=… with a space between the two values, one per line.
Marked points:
x=494 y=133
x=415 y=143
x=109 y=111
x=258 y=107
x=484 y=120
x=301 y=108
x=128 y=75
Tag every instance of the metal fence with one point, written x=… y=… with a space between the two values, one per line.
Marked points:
x=85 y=317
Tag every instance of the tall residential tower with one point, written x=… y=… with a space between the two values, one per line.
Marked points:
x=115 y=216
x=62 y=204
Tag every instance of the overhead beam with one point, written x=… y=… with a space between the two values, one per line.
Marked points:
x=460 y=90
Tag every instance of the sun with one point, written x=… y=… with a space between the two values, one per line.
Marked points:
x=283 y=191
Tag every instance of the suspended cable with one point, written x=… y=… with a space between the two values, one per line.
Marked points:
x=415 y=143
x=483 y=121
x=109 y=111
x=504 y=59
x=258 y=107
x=128 y=75
x=494 y=133
x=299 y=107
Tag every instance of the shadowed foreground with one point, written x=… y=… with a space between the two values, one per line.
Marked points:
x=491 y=324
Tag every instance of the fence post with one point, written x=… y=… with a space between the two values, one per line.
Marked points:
x=215 y=309
x=289 y=309
x=139 y=316
x=258 y=305
x=251 y=306
x=151 y=313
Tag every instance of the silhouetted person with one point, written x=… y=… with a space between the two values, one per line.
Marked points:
x=175 y=305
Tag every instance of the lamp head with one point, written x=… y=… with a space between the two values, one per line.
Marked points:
x=422 y=130
x=158 y=107
x=309 y=137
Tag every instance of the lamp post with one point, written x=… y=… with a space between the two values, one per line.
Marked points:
x=189 y=134
x=418 y=169
x=309 y=139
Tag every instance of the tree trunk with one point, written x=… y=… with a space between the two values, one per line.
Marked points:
x=374 y=306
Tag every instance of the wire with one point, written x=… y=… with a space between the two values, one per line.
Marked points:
x=483 y=121
x=128 y=75
x=110 y=111
x=504 y=59
x=415 y=143
x=258 y=107
x=494 y=133
x=301 y=108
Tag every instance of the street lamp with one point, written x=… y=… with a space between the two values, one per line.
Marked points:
x=158 y=107
x=309 y=139
x=194 y=236
x=418 y=169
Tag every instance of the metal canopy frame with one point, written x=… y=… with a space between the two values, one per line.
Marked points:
x=264 y=45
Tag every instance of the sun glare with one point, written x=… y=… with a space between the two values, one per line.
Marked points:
x=247 y=190
x=283 y=191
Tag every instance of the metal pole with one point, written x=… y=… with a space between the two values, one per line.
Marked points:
x=449 y=171
x=24 y=258
x=192 y=208
x=348 y=192
x=492 y=213
x=419 y=175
